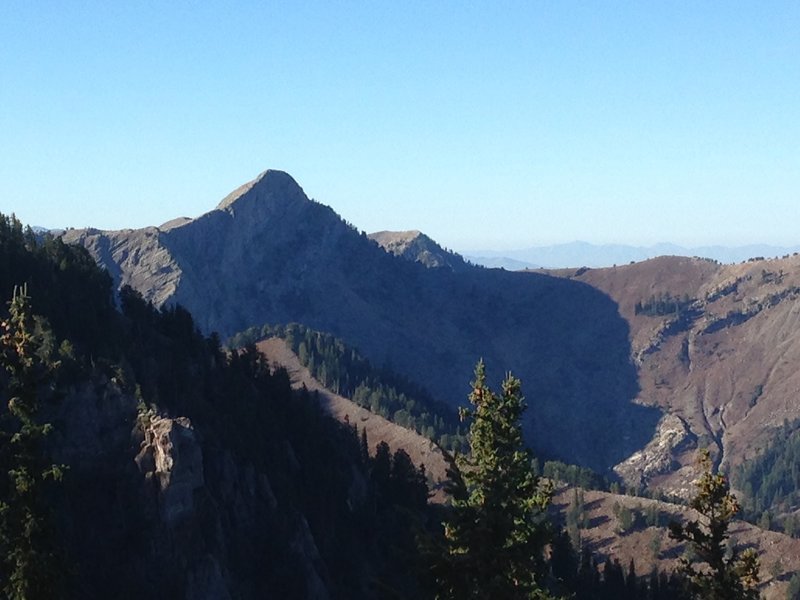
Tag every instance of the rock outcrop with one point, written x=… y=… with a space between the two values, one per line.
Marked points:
x=659 y=457
x=146 y=487
x=170 y=456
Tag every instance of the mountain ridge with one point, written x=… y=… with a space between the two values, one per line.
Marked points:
x=415 y=246
x=271 y=255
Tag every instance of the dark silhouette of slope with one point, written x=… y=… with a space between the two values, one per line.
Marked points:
x=267 y=254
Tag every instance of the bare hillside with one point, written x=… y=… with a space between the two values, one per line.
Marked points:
x=723 y=365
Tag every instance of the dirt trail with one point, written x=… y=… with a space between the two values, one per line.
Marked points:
x=419 y=448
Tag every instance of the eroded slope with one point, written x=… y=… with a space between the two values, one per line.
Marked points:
x=724 y=365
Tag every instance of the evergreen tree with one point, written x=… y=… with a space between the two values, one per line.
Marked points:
x=364 y=447
x=28 y=560
x=497 y=529
x=729 y=575
x=631 y=581
x=407 y=485
x=381 y=473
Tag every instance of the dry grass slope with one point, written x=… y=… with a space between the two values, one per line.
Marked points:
x=419 y=448
x=779 y=554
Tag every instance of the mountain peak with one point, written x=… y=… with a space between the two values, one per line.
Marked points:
x=270 y=182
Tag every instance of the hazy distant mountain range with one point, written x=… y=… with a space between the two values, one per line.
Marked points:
x=584 y=254
x=557 y=256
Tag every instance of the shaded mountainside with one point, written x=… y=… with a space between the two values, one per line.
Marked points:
x=716 y=347
x=268 y=254
x=190 y=473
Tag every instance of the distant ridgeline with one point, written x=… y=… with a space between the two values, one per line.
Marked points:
x=770 y=483
x=344 y=371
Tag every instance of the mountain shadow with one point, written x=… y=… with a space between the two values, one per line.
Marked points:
x=268 y=254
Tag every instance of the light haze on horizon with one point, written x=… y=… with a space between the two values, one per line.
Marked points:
x=487 y=126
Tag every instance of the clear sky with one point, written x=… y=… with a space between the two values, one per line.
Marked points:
x=486 y=125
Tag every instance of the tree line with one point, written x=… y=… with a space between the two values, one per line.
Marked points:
x=662 y=304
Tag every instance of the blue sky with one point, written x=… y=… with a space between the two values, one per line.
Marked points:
x=486 y=125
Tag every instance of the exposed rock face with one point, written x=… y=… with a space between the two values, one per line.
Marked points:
x=137 y=258
x=144 y=487
x=94 y=421
x=659 y=456
x=205 y=581
x=171 y=455
x=267 y=254
x=418 y=247
x=303 y=544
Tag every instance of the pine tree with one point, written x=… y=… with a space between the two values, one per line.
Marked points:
x=28 y=560
x=497 y=529
x=728 y=574
x=364 y=447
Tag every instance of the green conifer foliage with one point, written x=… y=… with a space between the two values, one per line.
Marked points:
x=497 y=530
x=723 y=573
x=28 y=560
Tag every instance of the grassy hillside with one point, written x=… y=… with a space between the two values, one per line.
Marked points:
x=344 y=371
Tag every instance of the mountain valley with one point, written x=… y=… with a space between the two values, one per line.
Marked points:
x=627 y=371
x=614 y=376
